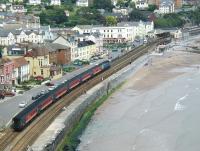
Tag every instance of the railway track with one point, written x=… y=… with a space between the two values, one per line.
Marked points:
x=16 y=141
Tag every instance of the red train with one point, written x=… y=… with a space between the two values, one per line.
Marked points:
x=22 y=119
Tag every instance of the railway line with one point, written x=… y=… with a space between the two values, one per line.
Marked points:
x=18 y=141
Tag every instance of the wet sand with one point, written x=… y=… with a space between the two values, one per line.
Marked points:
x=157 y=109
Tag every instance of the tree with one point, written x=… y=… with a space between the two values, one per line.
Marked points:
x=152 y=8
x=111 y=21
x=132 y=5
x=137 y=15
x=121 y=3
x=55 y=17
x=103 y=4
x=169 y=20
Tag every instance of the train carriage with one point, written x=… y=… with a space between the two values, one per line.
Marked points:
x=25 y=116
x=60 y=91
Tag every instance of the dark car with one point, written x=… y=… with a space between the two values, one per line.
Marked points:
x=49 y=84
x=36 y=96
x=2 y=96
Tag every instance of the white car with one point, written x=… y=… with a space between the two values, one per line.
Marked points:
x=22 y=104
x=52 y=87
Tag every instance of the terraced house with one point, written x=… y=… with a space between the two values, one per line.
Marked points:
x=11 y=37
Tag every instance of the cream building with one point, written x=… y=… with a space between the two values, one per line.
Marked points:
x=38 y=62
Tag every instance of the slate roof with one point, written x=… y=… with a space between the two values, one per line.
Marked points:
x=54 y=46
x=37 y=50
x=44 y=49
x=88 y=26
x=85 y=43
x=4 y=33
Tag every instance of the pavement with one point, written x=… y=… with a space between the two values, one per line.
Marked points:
x=157 y=109
x=9 y=107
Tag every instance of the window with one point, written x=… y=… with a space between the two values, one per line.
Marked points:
x=42 y=72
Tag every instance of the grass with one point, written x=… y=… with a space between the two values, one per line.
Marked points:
x=71 y=140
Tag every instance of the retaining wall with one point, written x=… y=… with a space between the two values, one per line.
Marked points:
x=49 y=140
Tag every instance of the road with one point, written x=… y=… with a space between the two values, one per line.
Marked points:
x=156 y=110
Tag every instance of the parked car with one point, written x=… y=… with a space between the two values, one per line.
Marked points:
x=49 y=84
x=9 y=94
x=39 y=78
x=2 y=96
x=51 y=88
x=43 y=92
x=36 y=96
x=22 y=104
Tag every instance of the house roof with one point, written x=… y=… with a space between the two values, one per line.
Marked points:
x=4 y=60
x=85 y=43
x=55 y=46
x=44 y=49
x=88 y=26
x=20 y=62
x=4 y=33
x=37 y=50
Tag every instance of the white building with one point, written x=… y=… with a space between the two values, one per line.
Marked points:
x=34 y=37
x=8 y=38
x=2 y=7
x=177 y=34
x=141 y=4
x=55 y=2
x=12 y=1
x=114 y=2
x=21 y=70
x=82 y=3
x=123 y=32
x=97 y=38
x=18 y=9
x=34 y=2
x=124 y=11
x=166 y=7
x=79 y=49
